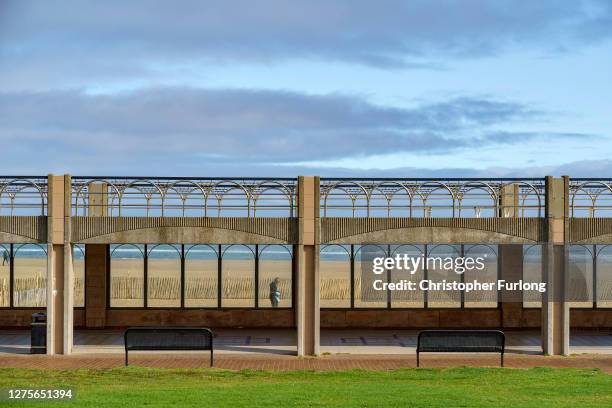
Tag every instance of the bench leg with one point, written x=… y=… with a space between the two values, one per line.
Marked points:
x=126 y=358
x=418 y=362
x=211 y=358
x=502 y=359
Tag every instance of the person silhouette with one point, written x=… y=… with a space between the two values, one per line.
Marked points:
x=275 y=292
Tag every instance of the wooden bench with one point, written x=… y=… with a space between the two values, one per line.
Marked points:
x=168 y=339
x=461 y=341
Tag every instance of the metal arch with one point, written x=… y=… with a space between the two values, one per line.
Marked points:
x=20 y=246
x=433 y=247
x=582 y=246
x=472 y=246
x=264 y=247
x=389 y=197
x=579 y=187
x=86 y=183
x=384 y=250
x=530 y=247
x=600 y=250
x=477 y=185
x=237 y=245
x=152 y=247
x=132 y=185
x=333 y=186
x=128 y=245
x=239 y=186
x=202 y=245
x=441 y=185
x=535 y=190
x=117 y=195
x=326 y=246
x=80 y=248
x=41 y=191
x=195 y=186
x=77 y=191
x=281 y=188
x=415 y=246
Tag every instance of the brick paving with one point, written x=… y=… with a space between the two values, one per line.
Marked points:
x=279 y=363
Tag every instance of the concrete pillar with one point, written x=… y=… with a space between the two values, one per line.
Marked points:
x=60 y=276
x=95 y=281
x=510 y=261
x=508 y=201
x=96 y=257
x=555 y=308
x=511 y=270
x=307 y=262
x=97 y=199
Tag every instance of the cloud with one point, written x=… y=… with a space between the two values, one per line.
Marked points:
x=221 y=125
x=51 y=40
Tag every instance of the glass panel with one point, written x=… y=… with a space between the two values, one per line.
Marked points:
x=127 y=275
x=78 y=266
x=408 y=298
x=604 y=276
x=482 y=298
x=30 y=286
x=5 y=276
x=532 y=273
x=365 y=294
x=437 y=271
x=201 y=270
x=275 y=271
x=238 y=272
x=335 y=276
x=580 y=288
x=164 y=276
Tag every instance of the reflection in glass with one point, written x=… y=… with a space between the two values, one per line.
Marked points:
x=238 y=271
x=78 y=267
x=127 y=275
x=164 y=276
x=201 y=270
x=335 y=276
x=275 y=265
x=30 y=268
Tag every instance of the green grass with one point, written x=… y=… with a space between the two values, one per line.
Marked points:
x=458 y=387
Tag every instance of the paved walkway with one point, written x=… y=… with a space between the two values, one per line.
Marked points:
x=283 y=342
x=279 y=362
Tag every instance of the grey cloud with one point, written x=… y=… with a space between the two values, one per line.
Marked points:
x=97 y=39
x=183 y=131
x=258 y=126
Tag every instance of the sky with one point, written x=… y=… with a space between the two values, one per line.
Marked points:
x=444 y=88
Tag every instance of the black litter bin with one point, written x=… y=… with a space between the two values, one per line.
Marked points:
x=39 y=334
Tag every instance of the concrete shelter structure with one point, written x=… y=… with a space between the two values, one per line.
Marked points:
x=206 y=251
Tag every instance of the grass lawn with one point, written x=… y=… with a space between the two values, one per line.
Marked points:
x=469 y=387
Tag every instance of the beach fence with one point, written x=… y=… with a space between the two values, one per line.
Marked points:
x=169 y=288
x=32 y=292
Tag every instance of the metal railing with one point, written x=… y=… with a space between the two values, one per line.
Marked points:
x=425 y=198
x=184 y=197
x=590 y=198
x=23 y=195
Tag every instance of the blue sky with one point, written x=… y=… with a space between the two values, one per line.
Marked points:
x=389 y=88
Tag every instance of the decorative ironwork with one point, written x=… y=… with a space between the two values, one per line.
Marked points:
x=184 y=197
x=23 y=195
x=590 y=198
x=426 y=198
